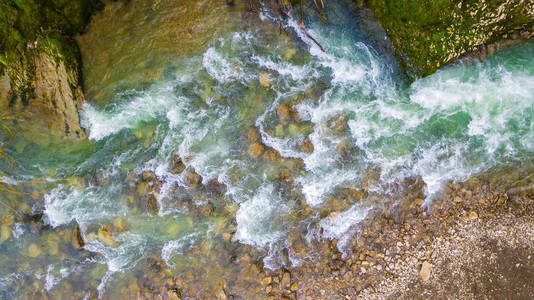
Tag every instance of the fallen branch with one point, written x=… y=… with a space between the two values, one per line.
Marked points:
x=302 y=24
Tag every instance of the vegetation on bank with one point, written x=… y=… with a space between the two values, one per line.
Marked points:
x=427 y=34
x=22 y=22
x=40 y=62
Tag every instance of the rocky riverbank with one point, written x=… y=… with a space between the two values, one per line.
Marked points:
x=474 y=241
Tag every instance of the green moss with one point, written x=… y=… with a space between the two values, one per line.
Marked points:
x=429 y=33
x=27 y=26
x=22 y=22
x=17 y=2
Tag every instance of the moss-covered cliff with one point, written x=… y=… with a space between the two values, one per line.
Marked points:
x=40 y=64
x=427 y=34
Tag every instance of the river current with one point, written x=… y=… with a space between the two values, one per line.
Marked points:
x=249 y=139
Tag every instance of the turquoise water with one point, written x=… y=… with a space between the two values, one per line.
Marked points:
x=370 y=132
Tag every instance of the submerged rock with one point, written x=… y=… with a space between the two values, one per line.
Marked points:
x=271 y=155
x=6 y=228
x=252 y=134
x=143 y=188
x=282 y=111
x=265 y=79
x=255 y=150
x=52 y=244
x=151 y=203
x=34 y=250
x=5 y=232
x=192 y=178
x=206 y=209
x=337 y=123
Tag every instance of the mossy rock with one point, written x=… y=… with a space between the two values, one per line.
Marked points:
x=42 y=64
x=427 y=34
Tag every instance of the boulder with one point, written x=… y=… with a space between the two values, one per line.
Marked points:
x=428 y=34
x=46 y=92
x=77 y=238
x=40 y=67
x=337 y=123
x=192 y=178
x=177 y=165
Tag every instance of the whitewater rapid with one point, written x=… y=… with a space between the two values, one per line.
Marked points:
x=369 y=133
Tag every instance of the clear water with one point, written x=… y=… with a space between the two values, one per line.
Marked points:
x=461 y=121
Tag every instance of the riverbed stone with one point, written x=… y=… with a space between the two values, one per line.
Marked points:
x=143 y=188
x=255 y=150
x=265 y=79
x=282 y=111
x=206 y=209
x=192 y=178
x=252 y=134
x=306 y=145
x=151 y=203
x=5 y=232
x=290 y=53
x=34 y=250
x=105 y=236
x=286 y=280
x=295 y=115
x=337 y=123
x=279 y=130
x=271 y=155
x=52 y=244
x=177 y=165
x=119 y=225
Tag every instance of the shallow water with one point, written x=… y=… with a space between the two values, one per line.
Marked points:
x=373 y=140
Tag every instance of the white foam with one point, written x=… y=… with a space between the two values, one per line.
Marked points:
x=220 y=67
x=342 y=226
x=258 y=218
x=172 y=248
x=50 y=279
x=145 y=106
x=64 y=204
x=286 y=69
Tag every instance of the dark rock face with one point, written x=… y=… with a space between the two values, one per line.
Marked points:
x=40 y=66
x=427 y=34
